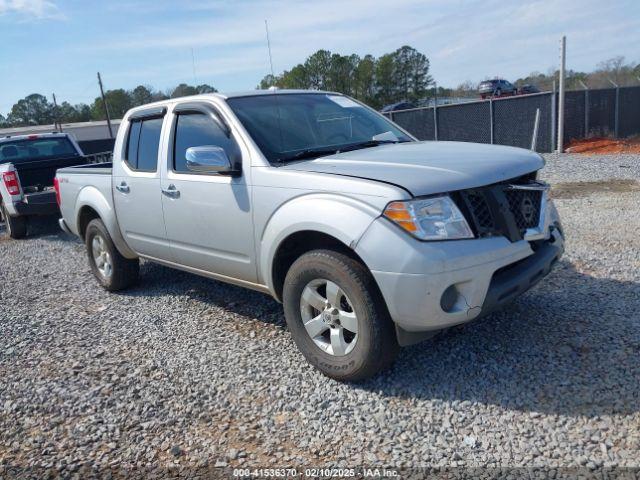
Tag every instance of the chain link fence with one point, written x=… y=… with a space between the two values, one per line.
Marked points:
x=511 y=120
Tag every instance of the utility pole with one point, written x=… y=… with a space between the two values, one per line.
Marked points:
x=563 y=58
x=56 y=123
x=106 y=107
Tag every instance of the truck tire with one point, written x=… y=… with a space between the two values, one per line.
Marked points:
x=113 y=271
x=337 y=316
x=16 y=226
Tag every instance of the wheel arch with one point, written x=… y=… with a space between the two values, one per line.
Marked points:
x=92 y=204
x=336 y=223
x=296 y=245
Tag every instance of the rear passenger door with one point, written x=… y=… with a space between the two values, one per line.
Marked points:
x=136 y=187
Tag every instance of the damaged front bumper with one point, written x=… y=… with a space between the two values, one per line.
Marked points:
x=448 y=283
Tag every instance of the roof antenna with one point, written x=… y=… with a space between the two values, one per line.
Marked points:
x=273 y=78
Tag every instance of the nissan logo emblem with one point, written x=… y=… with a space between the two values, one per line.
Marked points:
x=527 y=209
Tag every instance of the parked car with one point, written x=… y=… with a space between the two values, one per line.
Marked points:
x=528 y=89
x=368 y=237
x=394 y=107
x=28 y=165
x=496 y=88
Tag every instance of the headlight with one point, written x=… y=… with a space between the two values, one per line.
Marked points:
x=436 y=218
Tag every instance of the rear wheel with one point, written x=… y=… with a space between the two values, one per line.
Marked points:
x=111 y=269
x=16 y=226
x=337 y=316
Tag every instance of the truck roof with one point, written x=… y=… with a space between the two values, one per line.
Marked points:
x=13 y=138
x=246 y=93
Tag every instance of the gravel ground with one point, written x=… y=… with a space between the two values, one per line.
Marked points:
x=186 y=373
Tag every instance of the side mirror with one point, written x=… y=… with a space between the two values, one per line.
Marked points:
x=208 y=159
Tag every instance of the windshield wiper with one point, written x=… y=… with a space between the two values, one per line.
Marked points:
x=369 y=143
x=318 y=152
x=307 y=153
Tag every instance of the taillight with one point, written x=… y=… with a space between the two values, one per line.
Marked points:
x=56 y=186
x=11 y=182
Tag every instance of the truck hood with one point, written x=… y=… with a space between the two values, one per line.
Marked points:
x=425 y=168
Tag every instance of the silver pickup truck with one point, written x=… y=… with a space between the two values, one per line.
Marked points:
x=370 y=239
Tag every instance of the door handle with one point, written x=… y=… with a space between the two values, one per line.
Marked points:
x=123 y=188
x=171 y=191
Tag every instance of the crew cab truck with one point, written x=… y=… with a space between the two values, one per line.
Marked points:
x=370 y=239
x=28 y=165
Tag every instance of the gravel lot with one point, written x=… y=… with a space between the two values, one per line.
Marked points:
x=187 y=373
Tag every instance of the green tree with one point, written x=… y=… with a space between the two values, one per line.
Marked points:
x=183 y=90
x=141 y=95
x=317 y=67
x=34 y=109
x=68 y=113
x=204 y=88
x=385 y=80
x=268 y=81
x=3 y=122
x=410 y=73
x=364 y=81
x=119 y=101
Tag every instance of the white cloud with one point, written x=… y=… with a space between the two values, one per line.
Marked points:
x=31 y=9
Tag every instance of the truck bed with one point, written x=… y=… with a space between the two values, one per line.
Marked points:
x=89 y=169
x=40 y=173
x=94 y=179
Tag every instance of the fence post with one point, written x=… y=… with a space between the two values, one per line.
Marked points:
x=534 y=137
x=617 y=121
x=391 y=115
x=435 y=120
x=616 y=107
x=563 y=58
x=553 y=117
x=491 y=121
x=586 y=108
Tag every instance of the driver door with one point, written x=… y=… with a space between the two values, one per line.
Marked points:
x=208 y=216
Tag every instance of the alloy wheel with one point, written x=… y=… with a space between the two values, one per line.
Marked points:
x=101 y=256
x=328 y=317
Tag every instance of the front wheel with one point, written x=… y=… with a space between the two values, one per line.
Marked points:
x=16 y=226
x=111 y=269
x=337 y=316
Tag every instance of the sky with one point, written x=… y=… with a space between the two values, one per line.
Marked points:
x=57 y=46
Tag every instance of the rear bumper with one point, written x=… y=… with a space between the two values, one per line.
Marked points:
x=64 y=227
x=41 y=203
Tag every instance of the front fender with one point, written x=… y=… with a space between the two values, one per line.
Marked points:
x=92 y=197
x=344 y=218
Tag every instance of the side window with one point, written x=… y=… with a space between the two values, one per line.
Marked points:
x=143 y=144
x=132 y=144
x=197 y=130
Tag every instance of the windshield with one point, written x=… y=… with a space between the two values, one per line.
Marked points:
x=34 y=149
x=291 y=126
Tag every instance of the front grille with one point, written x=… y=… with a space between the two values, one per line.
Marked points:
x=502 y=209
x=479 y=211
x=525 y=207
